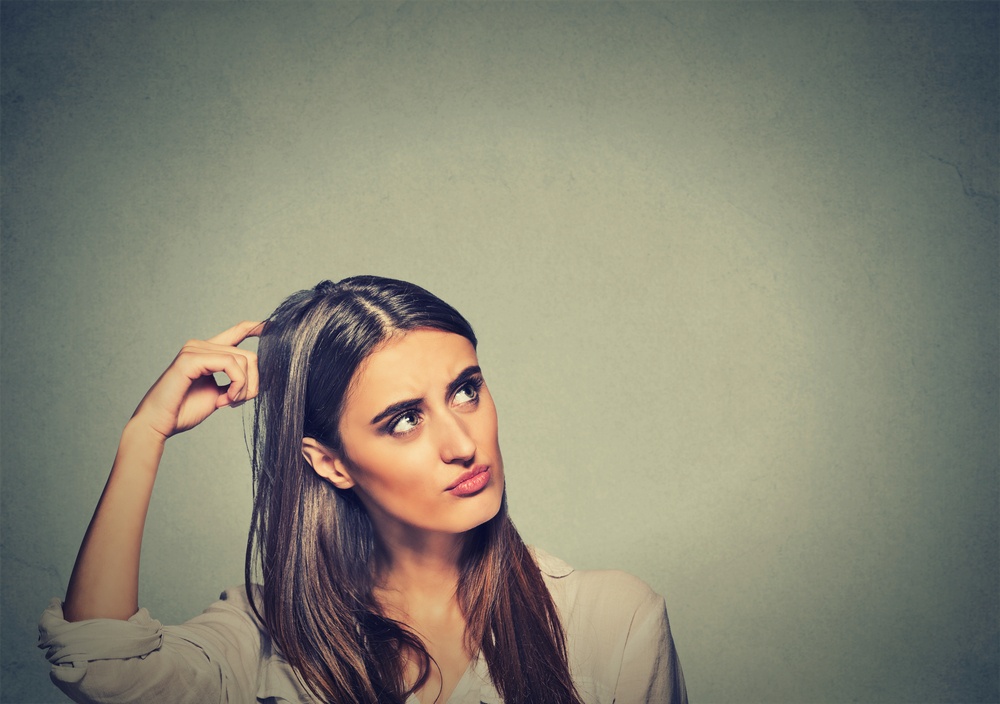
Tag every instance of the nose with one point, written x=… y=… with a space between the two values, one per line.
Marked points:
x=456 y=444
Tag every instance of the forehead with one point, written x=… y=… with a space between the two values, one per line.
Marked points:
x=409 y=365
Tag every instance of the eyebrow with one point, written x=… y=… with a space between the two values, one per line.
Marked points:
x=399 y=406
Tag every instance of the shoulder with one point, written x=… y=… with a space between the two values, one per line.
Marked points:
x=609 y=591
x=232 y=608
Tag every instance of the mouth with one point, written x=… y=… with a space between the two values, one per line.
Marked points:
x=471 y=482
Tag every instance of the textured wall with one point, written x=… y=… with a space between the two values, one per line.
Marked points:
x=733 y=266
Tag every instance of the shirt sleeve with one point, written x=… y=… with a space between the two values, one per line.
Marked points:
x=214 y=657
x=650 y=670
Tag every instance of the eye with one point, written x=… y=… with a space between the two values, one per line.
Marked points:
x=403 y=424
x=468 y=392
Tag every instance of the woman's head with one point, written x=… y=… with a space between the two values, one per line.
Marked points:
x=337 y=357
x=372 y=422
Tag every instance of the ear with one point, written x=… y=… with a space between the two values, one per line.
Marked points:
x=326 y=463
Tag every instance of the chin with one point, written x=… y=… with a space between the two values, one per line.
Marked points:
x=492 y=503
x=497 y=501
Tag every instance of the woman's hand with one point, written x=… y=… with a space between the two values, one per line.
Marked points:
x=186 y=393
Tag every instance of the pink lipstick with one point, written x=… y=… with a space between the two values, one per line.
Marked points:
x=471 y=482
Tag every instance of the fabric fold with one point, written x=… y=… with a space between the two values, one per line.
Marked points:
x=75 y=643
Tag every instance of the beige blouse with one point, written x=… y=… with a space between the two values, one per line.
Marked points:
x=617 y=635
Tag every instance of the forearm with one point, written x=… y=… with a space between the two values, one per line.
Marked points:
x=105 y=580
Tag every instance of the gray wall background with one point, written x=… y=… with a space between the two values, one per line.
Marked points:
x=734 y=269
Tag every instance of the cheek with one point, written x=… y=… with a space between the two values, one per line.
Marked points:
x=486 y=422
x=393 y=470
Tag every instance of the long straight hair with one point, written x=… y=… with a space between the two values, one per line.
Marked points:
x=316 y=547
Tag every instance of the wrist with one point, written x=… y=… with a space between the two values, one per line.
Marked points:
x=141 y=446
x=138 y=432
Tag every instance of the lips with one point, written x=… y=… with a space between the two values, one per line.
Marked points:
x=466 y=476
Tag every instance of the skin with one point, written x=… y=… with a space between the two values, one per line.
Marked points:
x=400 y=467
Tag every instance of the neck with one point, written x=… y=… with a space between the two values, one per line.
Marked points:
x=420 y=562
x=418 y=571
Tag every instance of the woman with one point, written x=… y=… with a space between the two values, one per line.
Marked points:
x=391 y=571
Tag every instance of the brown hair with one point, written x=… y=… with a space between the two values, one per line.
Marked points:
x=315 y=545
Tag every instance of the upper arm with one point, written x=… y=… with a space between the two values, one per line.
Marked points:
x=650 y=670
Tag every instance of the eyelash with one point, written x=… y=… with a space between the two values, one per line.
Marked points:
x=474 y=383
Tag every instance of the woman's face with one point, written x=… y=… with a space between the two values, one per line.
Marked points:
x=419 y=437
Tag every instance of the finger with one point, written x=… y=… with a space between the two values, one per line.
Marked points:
x=250 y=390
x=239 y=332
x=253 y=376
x=195 y=363
x=238 y=388
x=247 y=359
x=207 y=346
